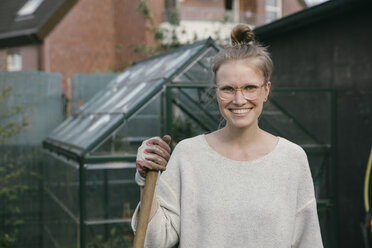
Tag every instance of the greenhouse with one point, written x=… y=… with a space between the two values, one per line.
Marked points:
x=89 y=159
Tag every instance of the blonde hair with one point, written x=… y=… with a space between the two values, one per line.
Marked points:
x=244 y=47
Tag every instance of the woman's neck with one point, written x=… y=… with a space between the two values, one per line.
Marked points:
x=242 y=137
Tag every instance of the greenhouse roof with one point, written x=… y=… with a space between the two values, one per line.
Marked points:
x=122 y=97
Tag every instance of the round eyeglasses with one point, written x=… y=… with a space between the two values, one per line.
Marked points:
x=249 y=91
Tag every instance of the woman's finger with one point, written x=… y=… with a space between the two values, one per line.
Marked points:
x=157 y=150
x=158 y=141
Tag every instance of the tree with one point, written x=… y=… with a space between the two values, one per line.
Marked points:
x=10 y=172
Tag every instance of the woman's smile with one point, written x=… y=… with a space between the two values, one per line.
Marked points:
x=240 y=111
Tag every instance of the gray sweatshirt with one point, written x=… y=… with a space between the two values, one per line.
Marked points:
x=207 y=200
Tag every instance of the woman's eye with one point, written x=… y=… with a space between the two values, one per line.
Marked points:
x=227 y=89
x=250 y=87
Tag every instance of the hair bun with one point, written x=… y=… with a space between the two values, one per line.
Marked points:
x=241 y=34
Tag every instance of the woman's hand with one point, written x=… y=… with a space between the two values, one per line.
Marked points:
x=153 y=154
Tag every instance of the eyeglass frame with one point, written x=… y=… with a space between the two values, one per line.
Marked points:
x=239 y=88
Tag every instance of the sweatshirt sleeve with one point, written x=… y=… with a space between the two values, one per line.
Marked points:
x=163 y=229
x=306 y=232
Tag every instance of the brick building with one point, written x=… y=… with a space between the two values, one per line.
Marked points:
x=202 y=18
x=87 y=36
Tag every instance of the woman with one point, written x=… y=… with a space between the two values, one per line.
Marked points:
x=239 y=186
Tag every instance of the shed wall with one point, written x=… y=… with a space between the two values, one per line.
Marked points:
x=336 y=53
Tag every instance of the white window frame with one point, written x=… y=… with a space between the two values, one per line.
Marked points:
x=277 y=10
x=13 y=61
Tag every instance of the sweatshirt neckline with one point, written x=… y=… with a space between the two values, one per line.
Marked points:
x=244 y=162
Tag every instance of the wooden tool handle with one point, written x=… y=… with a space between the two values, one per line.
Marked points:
x=145 y=208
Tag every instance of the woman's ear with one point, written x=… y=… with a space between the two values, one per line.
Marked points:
x=267 y=90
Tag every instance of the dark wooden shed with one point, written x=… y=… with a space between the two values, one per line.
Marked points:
x=330 y=46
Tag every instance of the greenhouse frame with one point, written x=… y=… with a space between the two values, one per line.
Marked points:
x=89 y=159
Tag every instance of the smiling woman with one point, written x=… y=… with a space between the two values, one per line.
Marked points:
x=239 y=186
x=240 y=102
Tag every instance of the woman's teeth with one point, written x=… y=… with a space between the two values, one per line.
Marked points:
x=239 y=111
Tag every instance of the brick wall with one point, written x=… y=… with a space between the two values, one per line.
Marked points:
x=97 y=36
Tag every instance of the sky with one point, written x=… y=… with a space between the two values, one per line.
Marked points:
x=314 y=2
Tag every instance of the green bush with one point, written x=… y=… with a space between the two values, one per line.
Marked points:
x=11 y=173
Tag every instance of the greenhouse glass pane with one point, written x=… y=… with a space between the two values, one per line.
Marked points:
x=81 y=131
x=199 y=70
x=126 y=139
x=308 y=126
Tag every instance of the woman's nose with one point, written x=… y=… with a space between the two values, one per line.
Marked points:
x=239 y=98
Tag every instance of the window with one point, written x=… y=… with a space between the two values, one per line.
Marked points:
x=273 y=9
x=29 y=8
x=13 y=62
x=228 y=4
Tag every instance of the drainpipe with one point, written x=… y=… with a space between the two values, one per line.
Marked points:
x=236 y=11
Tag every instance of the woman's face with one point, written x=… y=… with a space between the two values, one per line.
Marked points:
x=241 y=93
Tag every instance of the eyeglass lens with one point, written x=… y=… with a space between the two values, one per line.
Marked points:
x=250 y=92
